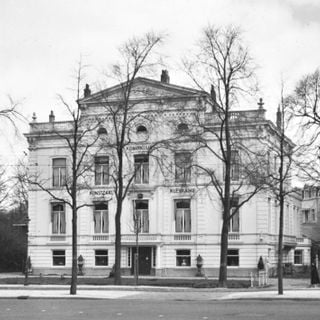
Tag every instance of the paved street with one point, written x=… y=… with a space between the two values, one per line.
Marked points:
x=137 y=309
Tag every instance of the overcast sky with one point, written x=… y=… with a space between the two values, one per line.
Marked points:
x=41 y=41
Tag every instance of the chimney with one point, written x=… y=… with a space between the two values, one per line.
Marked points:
x=86 y=91
x=165 y=76
x=279 y=120
x=260 y=104
x=51 y=117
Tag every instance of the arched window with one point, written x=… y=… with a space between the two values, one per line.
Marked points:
x=141 y=129
x=102 y=130
x=183 y=127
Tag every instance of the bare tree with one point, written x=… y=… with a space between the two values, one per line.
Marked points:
x=124 y=114
x=224 y=62
x=304 y=104
x=11 y=113
x=79 y=137
x=4 y=188
x=280 y=176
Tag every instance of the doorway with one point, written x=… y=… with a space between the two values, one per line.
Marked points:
x=144 y=260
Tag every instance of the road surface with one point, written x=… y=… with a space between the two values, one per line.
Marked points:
x=33 y=309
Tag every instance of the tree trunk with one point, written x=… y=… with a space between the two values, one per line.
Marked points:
x=280 y=244
x=226 y=203
x=223 y=255
x=74 y=271
x=117 y=274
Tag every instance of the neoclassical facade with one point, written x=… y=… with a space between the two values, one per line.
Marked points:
x=178 y=212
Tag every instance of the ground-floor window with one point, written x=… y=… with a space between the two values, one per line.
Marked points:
x=101 y=257
x=59 y=257
x=183 y=258
x=233 y=258
x=298 y=256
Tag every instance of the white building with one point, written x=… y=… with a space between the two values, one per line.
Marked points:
x=180 y=217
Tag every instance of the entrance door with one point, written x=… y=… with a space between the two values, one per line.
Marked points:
x=144 y=260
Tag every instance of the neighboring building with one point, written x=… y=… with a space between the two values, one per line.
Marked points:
x=179 y=217
x=310 y=218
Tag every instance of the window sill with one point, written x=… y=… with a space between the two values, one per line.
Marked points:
x=58 y=267
x=183 y=267
x=101 y=267
x=233 y=267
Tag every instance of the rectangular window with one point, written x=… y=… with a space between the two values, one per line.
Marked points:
x=101 y=218
x=182 y=162
x=141 y=216
x=141 y=167
x=235 y=165
x=298 y=256
x=309 y=215
x=234 y=221
x=59 y=257
x=233 y=258
x=59 y=172
x=101 y=170
x=101 y=257
x=183 y=258
x=58 y=218
x=182 y=215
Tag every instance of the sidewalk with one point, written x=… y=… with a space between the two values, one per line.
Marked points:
x=294 y=289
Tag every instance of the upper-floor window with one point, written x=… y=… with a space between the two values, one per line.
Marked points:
x=101 y=218
x=309 y=215
x=142 y=129
x=101 y=131
x=182 y=167
x=234 y=222
x=182 y=127
x=58 y=218
x=101 y=170
x=141 y=216
x=235 y=165
x=141 y=167
x=182 y=215
x=59 y=172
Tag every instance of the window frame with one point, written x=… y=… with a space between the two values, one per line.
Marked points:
x=235 y=165
x=144 y=216
x=186 y=226
x=141 y=168
x=234 y=255
x=184 y=256
x=182 y=173
x=101 y=170
x=300 y=257
x=61 y=226
x=56 y=256
x=232 y=220
x=101 y=255
x=59 y=178
x=103 y=218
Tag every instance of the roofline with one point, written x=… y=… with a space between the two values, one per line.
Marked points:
x=152 y=81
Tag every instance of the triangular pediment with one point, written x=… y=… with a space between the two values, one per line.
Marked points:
x=142 y=89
